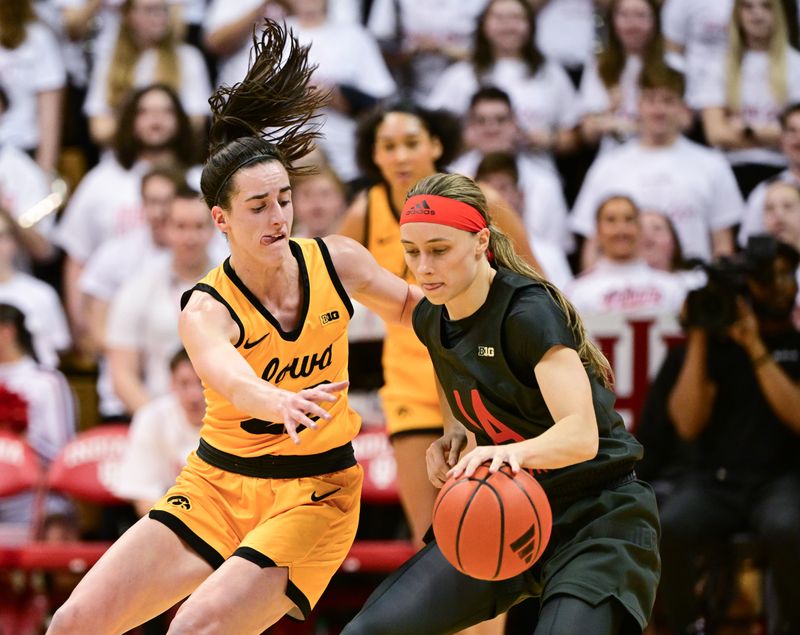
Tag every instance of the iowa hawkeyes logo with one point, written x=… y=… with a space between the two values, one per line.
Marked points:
x=180 y=501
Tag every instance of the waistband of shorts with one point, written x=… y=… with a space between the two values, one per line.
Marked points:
x=279 y=466
x=575 y=491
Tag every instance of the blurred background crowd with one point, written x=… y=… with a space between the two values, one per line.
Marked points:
x=651 y=149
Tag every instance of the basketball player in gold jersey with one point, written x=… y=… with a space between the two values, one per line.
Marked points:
x=398 y=144
x=266 y=509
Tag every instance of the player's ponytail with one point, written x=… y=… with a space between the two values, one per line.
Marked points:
x=268 y=116
x=465 y=190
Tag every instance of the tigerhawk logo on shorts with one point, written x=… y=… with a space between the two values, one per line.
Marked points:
x=179 y=501
x=330 y=316
x=422 y=208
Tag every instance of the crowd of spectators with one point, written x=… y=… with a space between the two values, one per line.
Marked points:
x=636 y=139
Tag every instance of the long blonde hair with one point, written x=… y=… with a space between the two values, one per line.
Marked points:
x=463 y=189
x=778 y=55
x=127 y=54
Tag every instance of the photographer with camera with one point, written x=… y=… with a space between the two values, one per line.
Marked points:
x=735 y=403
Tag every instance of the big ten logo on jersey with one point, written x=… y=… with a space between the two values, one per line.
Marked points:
x=486 y=351
x=330 y=316
x=635 y=348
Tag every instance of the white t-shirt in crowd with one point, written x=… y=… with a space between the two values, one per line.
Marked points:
x=691 y=184
x=630 y=288
x=159 y=441
x=22 y=185
x=34 y=67
x=120 y=257
x=753 y=221
x=448 y=21
x=758 y=104
x=623 y=102
x=195 y=85
x=345 y=54
x=44 y=315
x=544 y=101
x=106 y=203
x=701 y=28
x=545 y=213
x=553 y=260
x=565 y=31
x=51 y=408
x=143 y=316
x=231 y=68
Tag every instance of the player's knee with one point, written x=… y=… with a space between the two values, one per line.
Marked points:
x=193 y=623
x=72 y=617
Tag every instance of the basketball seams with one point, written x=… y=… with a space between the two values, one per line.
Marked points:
x=463 y=516
x=502 y=541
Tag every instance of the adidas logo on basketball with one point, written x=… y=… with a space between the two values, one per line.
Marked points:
x=525 y=544
x=422 y=208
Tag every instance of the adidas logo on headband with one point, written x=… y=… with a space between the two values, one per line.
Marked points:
x=421 y=208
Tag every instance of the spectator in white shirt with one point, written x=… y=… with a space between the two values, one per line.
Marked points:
x=23 y=184
x=609 y=89
x=162 y=434
x=349 y=66
x=782 y=212
x=752 y=84
x=147 y=51
x=421 y=39
x=142 y=323
x=565 y=31
x=152 y=130
x=50 y=407
x=790 y=144
x=491 y=127
x=506 y=56
x=44 y=315
x=660 y=247
x=499 y=171
x=621 y=281
x=697 y=30
x=662 y=170
x=33 y=77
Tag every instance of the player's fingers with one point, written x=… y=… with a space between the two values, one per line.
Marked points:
x=514 y=463
x=335 y=386
x=318 y=395
x=307 y=422
x=472 y=464
x=497 y=461
x=311 y=408
x=291 y=430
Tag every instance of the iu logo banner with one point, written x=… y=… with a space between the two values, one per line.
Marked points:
x=635 y=348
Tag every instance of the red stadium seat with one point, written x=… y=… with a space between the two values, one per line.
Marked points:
x=82 y=471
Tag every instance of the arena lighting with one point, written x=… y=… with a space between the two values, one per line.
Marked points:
x=48 y=205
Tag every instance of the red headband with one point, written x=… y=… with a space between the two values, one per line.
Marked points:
x=429 y=208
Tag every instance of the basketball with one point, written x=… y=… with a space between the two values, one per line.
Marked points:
x=492 y=526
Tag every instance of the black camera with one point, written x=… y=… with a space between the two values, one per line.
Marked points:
x=713 y=307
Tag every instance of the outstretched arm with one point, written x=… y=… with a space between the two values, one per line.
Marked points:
x=207 y=332
x=382 y=292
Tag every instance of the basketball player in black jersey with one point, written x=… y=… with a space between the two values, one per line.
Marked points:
x=518 y=372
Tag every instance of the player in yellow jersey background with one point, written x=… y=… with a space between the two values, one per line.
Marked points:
x=267 y=507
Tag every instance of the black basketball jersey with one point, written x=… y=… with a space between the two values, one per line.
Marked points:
x=499 y=406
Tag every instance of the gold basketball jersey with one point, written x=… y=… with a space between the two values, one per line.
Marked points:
x=407 y=367
x=314 y=352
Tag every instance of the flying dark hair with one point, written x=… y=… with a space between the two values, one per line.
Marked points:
x=265 y=117
x=127 y=146
x=9 y=314
x=440 y=124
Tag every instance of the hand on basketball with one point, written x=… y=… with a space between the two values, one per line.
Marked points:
x=497 y=454
x=443 y=454
x=298 y=407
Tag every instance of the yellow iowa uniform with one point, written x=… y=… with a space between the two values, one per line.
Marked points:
x=410 y=400
x=249 y=490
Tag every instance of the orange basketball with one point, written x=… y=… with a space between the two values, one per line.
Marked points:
x=492 y=526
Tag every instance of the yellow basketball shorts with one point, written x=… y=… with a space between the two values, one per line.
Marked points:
x=305 y=524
